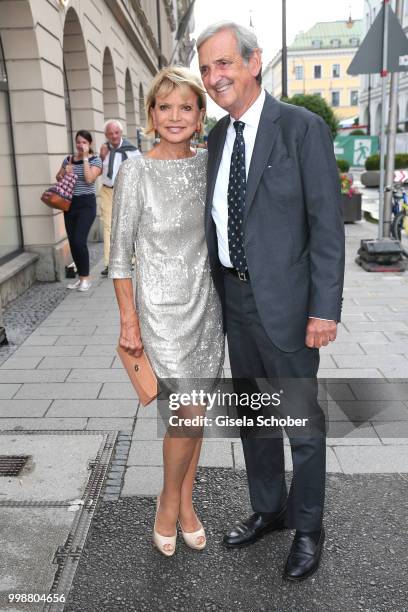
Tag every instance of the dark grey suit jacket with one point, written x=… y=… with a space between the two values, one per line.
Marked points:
x=293 y=226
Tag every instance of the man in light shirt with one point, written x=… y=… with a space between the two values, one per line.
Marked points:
x=275 y=240
x=113 y=152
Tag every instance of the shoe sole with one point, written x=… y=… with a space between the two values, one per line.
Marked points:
x=304 y=577
x=256 y=539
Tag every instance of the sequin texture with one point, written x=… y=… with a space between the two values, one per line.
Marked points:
x=158 y=210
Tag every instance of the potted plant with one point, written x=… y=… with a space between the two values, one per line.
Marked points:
x=350 y=200
x=371 y=177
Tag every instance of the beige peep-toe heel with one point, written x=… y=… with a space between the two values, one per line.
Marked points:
x=165 y=544
x=192 y=538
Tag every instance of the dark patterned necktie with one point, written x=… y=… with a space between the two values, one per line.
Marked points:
x=236 y=200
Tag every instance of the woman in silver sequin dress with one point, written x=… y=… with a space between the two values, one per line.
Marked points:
x=158 y=211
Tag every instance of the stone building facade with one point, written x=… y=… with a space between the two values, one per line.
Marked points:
x=67 y=65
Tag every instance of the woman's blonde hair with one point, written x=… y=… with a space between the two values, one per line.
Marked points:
x=163 y=84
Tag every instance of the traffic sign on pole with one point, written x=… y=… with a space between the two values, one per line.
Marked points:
x=369 y=57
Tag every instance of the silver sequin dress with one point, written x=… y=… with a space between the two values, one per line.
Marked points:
x=158 y=212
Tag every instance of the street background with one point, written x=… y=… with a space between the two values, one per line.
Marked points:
x=76 y=522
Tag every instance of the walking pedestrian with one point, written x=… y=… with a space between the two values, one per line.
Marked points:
x=78 y=220
x=275 y=238
x=113 y=152
x=159 y=208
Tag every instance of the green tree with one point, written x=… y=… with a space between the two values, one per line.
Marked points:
x=209 y=124
x=317 y=105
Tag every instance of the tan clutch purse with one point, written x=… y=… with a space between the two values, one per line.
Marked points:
x=141 y=375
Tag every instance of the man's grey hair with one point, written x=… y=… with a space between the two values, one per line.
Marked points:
x=246 y=39
x=112 y=122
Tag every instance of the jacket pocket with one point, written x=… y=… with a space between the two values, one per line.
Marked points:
x=280 y=165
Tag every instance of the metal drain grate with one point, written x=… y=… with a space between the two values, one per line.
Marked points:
x=11 y=465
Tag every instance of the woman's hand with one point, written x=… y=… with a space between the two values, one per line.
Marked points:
x=130 y=339
x=60 y=174
x=84 y=149
x=69 y=168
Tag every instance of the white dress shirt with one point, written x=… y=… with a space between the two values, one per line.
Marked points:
x=219 y=210
x=220 y=199
x=109 y=182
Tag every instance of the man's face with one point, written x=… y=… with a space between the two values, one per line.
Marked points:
x=113 y=133
x=228 y=79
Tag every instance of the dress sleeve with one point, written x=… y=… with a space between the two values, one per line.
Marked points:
x=126 y=211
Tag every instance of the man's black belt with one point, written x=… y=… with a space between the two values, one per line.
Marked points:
x=243 y=276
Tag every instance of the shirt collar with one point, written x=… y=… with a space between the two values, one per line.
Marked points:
x=118 y=147
x=252 y=116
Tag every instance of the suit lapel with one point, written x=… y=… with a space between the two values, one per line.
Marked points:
x=268 y=129
x=214 y=163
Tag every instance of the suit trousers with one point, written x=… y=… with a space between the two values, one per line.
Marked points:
x=106 y=196
x=253 y=355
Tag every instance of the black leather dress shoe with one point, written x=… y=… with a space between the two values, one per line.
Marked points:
x=253 y=528
x=105 y=271
x=304 y=556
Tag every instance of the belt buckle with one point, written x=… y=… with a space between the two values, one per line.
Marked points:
x=242 y=276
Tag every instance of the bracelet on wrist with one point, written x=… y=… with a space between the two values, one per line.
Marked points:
x=85 y=159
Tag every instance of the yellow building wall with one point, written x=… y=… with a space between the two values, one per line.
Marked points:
x=309 y=85
x=345 y=84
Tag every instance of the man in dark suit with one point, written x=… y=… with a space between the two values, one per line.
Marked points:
x=275 y=238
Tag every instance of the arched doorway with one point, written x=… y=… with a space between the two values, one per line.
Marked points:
x=130 y=108
x=77 y=83
x=11 y=241
x=110 y=90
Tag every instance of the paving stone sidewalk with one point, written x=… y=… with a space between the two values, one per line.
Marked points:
x=66 y=375
x=61 y=373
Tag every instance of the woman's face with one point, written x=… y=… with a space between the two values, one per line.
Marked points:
x=176 y=116
x=82 y=145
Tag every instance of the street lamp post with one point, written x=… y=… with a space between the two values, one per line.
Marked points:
x=391 y=136
x=159 y=39
x=370 y=22
x=284 y=53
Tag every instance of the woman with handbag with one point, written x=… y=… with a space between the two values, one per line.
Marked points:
x=79 y=218
x=158 y=213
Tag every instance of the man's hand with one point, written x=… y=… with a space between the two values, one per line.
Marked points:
x=104 y=150
x=320 y=332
